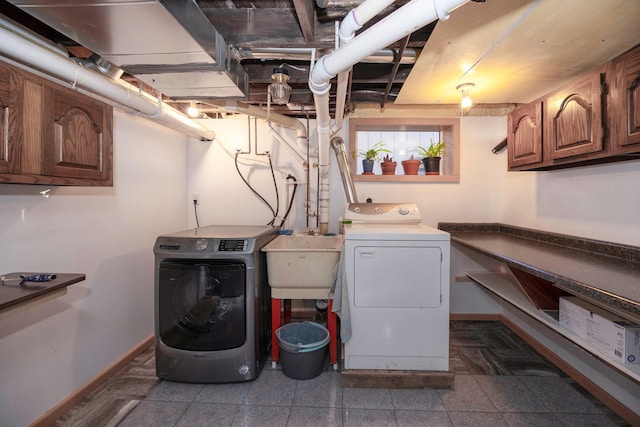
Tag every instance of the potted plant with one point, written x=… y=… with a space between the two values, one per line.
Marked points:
x=431 y=156
x=388 y=165
x=370 y=156
x=411 y=166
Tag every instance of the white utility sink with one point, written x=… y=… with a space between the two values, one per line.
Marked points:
x=301 y=266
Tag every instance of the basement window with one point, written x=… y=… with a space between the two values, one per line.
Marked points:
x=401 y=137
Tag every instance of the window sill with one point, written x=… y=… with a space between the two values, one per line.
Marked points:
x=407 y=178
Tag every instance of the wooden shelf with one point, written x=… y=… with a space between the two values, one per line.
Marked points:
x=13 y=297
x=506 y=287
x=602 y=273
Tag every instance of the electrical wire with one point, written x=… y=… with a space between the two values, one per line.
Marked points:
x=195 y=211
x=275 y=185
x=273 y=212
x=293 y=195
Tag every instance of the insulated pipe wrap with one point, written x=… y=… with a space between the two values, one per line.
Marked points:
x=250 y=110
x=54 y=65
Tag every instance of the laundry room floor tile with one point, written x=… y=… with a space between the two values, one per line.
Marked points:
x=499 y=381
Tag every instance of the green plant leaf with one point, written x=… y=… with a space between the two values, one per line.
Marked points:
x=372 y=153
x=435 y=149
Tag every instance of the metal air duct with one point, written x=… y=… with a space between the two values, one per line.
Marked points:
x=168 y=44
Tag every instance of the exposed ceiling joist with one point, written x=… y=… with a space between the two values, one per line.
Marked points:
x=305 y=11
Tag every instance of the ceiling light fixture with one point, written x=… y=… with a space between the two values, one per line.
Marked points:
x=279 y=89
x=464 y=90
x=193 y=111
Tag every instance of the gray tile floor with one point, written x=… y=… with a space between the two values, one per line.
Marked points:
x=499 y=381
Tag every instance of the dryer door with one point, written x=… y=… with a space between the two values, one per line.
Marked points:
x=397 y=276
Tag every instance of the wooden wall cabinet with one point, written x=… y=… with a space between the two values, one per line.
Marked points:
x=4 y=120
x=51 y=134
x=524 y=136
x=625 y=93
x=593 y=119
x=573 y=119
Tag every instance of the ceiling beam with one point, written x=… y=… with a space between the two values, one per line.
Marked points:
x=305 y=11
x=394 y=72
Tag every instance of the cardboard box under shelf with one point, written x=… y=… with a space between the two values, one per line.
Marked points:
x=605 y=331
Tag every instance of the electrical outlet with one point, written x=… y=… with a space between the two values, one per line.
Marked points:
x=196 y=198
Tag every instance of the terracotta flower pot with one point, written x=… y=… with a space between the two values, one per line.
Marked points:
x=388 y=168
x=411 y=166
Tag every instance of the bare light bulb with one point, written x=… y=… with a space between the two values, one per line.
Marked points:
x=464 y=90
x=193 y=111
x=466 y=102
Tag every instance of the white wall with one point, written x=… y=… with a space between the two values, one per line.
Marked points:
x=477 y=198
x=49 y=351
x=225 y=199
x=598 y=202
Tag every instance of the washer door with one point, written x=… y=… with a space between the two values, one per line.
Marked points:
x=202 y=304
x=397 y=276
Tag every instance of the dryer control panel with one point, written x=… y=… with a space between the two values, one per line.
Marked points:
x=383 y=213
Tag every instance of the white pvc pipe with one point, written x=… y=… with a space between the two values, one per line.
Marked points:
x=302 y=138
x=354 y=20
x=404 y=21
x=250 y=110
x=22 y=50
x=359 y=16
x=285 y=143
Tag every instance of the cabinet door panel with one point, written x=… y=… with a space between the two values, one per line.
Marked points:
x=27 y=156
x=24 y=117
x=525 y=135
x=626 y=102
x=4 y=137
x=80 y=141
x=4 y=119
x=573 y=119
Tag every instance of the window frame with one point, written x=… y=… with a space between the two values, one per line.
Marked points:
x=450 y=167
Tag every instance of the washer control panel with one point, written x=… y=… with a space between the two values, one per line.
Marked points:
x=382 y=213
x=232 y=245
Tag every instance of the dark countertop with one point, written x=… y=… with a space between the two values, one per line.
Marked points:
x=605 y=273
x=12 y=294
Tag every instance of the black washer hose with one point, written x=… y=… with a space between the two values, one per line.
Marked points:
x=295 y=187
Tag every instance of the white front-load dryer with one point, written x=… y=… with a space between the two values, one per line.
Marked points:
x=397 y=278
